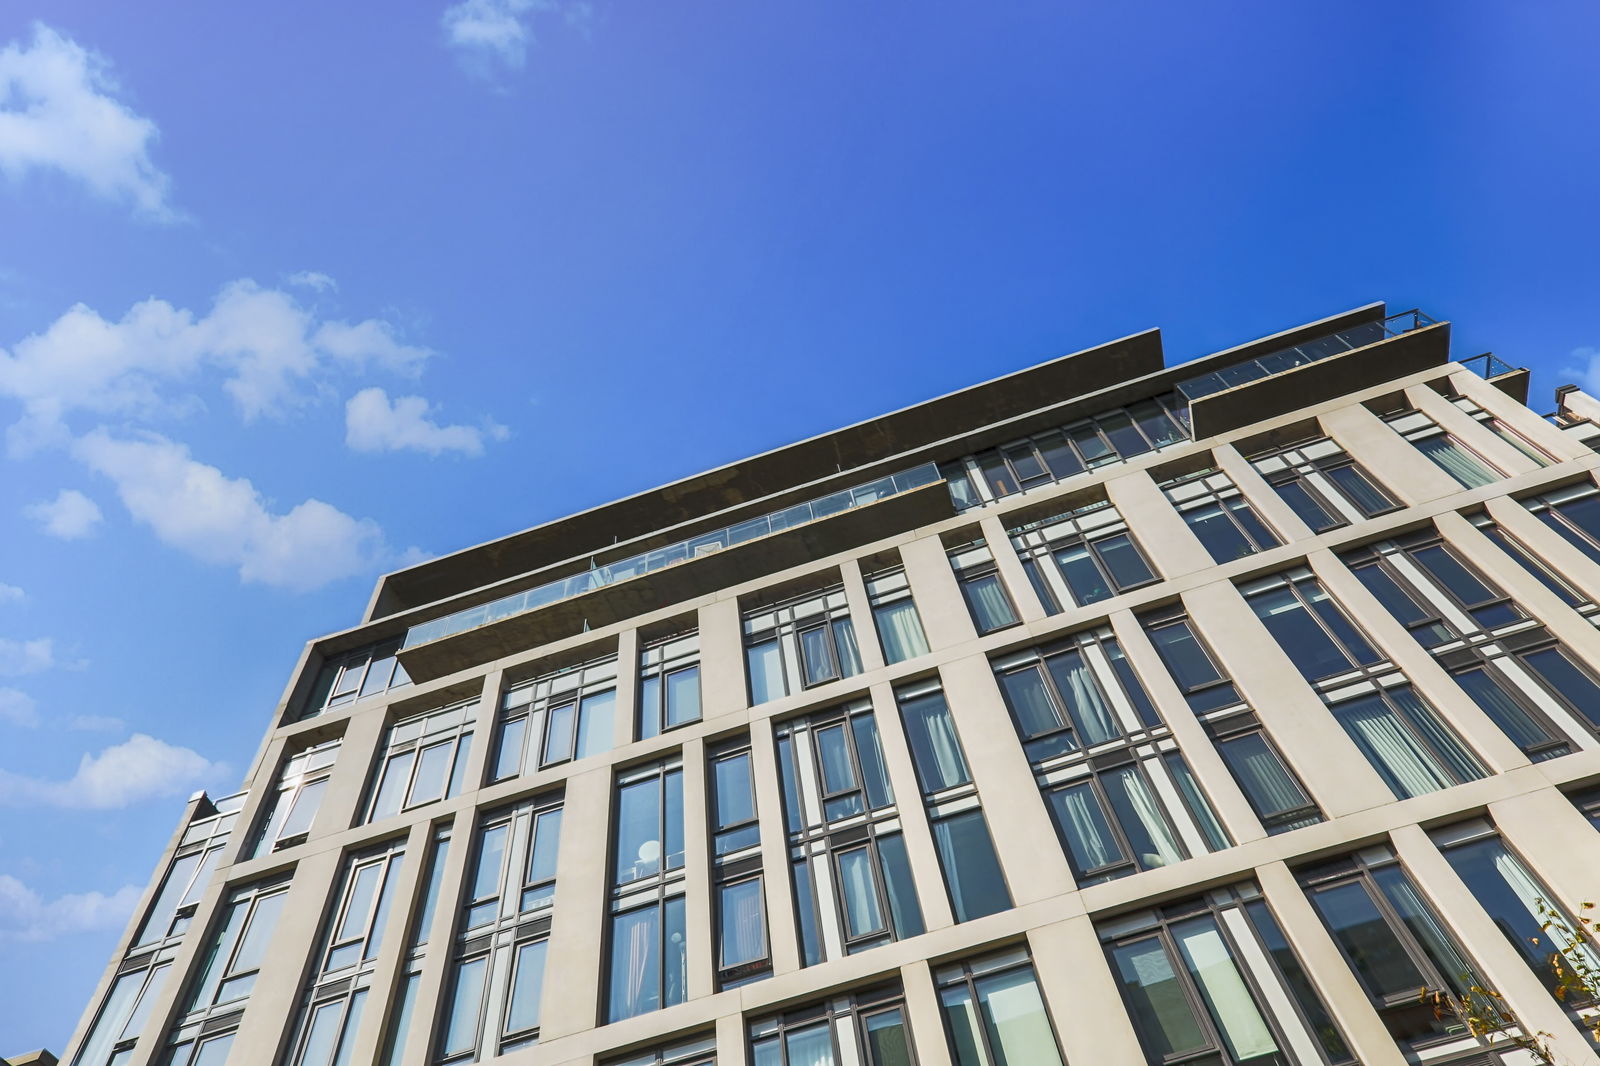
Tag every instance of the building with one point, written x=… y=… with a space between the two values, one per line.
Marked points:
x=1102 y=713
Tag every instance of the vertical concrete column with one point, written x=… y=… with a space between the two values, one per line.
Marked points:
x=1436 y=686
x=1033 y=862
x=916 y=831
x=1399 y=467
x=855 y=594
x=1198 y=751
x=393 y=949
x=1580 y=404
x=1363 y=1029
x=341 y=803
x=1472 y=434
x=625 y=725
x=1518 y=418
x=1006 y=563
x=1076 y=982
x=1574 y=567
x=775 y=882
x=1502 y=967
x=697 y=871
x=432 y=991
x=1556 y=840
x=1161 y=533
x=940 y=605
x=1330 y=765
x=484 y=731
x=722 y=687
x=277 y=990
x=577 y=936
x=1262 y=496
x=924 y=1019
x=732 y=1047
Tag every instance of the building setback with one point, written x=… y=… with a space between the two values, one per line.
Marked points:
x=1102 y=713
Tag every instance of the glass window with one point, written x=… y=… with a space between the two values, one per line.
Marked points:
x=894 y=613
x=1113 y=824
x=563 y=714
x=1574 y=513
x=1274 y=793
x=1467 y=468
x=1306 y=624
x=1412 y=750
x=1191 y=665
x=733 y=801
x=1219 y=515
x=238 y=946
x=985 y=593
x=935 y=748
x=425 y=758
x=356 y=674
x=649 y=825
x=669 y=684
x=296 y=796
x=971 y=868
x=1081 y=558
x=1526 y=559
x=1323 y=485
x=1575 y=685
x=648 y=964
x=994 y=1014
x=804 y=641
x=866 y=1027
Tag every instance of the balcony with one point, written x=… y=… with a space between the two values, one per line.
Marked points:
x=689 y=567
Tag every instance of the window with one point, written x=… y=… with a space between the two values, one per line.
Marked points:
x=1121 y=795
x=503 y=934
x=1532 y=564
x=1194 y=977
x=982 y=588
x=1191 y=665
x=699 y=1051
x=1574 y=513
x=1503 y=431
x=1323 y=485
x=669 y=684
x=1404 y=740
x=557 y=717
x=851 y=874
x=333 y=1003
x=237 y=950
x=801 y=642
x=424 y=761
x=972 y=874
x=1308 y=626
x=1588 y=803
x=405 y=999
x=1526 y=911
x=1219 y=515
x=894 y=613
x=1081 y=558
x=867 y=1027
x=994 y=1014
x=1271 y=788
x=1465 y=466
x=742 y=949
x=349 y=676
x=1429 y=589
x=294 y=803
x=187 y=878
x=649 y=967
x=1392 y=941
x=122 y=1019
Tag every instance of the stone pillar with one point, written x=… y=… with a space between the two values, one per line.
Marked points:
x=577 y=935
x=698 y=921
x=775 y=881
x=942 y=608
x=1076 y=982
x=924 y=1017
x=1156 y=525
x=1262 y=496
x=855 y=594
x=1400 y=468
x=722 y=683
x=918 y=834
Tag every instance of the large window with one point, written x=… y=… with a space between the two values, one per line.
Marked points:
x=1306 y=623
x=1430 y=590
x=1538 y=568
x=743 y=952
x=1081 y=558
x=1218 y=514
x=424 y=760
x=696 y=1051
x=669 y=684
x=981 y=586
x=1323 y=485
x=1574 y=513
x=972 y=874
x=1468 y=468
x=351 y=675
x=851 y=874
x=1392 y=941
x=1075 y=694
x=894 y=613
x=1189 y=661
x=867 y=1027
x=798 y=643
x=122 y=1019
x=994 y=1014
x=557 y=717
x=1272 y=789
x=1406 y=742
x=1202 y=980
x=294 y=802
x=503 y=934
x=336 y=997
x=649 y=965
x=398 y=1029
x=1503 y=431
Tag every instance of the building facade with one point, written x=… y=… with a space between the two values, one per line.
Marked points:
x=1102 y=713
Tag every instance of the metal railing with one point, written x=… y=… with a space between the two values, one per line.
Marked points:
x=1487 y=366
x=1311 y=351
x=660 y=558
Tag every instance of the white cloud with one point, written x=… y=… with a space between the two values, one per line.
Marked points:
x=374 y=423
x=96 y=723
x=19 y=657
x=24 y=915
x=225 y=521
x=314 y=280
x=11 y=594
x=58 y=112
x=18 y=708
x=491 y=34
x=70 y=516
x=1585 y=369
x=271 y=351
x=137 y=769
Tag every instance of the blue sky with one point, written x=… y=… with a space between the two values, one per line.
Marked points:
x=293 y=292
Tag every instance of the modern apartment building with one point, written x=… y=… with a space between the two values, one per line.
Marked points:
x=1104 y=713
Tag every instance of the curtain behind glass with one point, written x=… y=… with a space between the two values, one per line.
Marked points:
x=1142 y=820
x=901 y=631
x=1084 y=698
x=1406 y=767
x=934 y=748
x=1455 y=461
x=990 y=606
x=1083 y=823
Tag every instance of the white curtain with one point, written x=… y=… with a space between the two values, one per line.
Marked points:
x=1265 y=776
x=1083 y=695
x=901 y=631
x=1455 y=461
x=1084 y=827
x=1149 y=814
x=1392 y=750
x=1226 y=994
x=859 y=889
x=989 y=602
x=766 y=672
x=812 y=1046
x=941 y=746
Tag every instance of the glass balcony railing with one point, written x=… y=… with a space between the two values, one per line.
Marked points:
x=661 y=558
x=1487 y=366
x=1311 y=351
